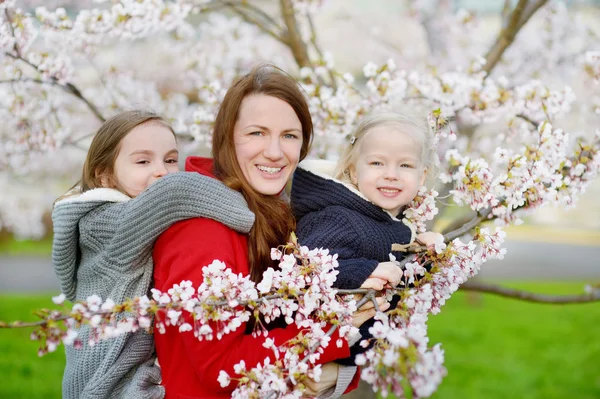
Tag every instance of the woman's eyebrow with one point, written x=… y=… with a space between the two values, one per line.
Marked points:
x=257 y=126
x=293 y=129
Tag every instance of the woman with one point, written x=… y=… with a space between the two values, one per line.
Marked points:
x=263 y=129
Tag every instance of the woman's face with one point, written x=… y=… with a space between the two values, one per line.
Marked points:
x=268 y=140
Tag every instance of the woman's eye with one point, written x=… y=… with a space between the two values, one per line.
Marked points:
x=257 y=133
x=406 y=165
x=376 y=163
x=171 y=161
x=290 y=136
x=142 y=162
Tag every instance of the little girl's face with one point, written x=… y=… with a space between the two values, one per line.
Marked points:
x=388 y=169
x=147 y=153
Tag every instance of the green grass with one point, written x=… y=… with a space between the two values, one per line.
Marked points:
x=24 y=374
x=495 y=348
x=12 y=247
x=504 y=348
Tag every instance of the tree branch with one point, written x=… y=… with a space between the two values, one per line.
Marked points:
x=313 y=40
x=294 y=39
x=528 y=119
x=468 y=226
x=477 y=286
x=12 y=32
x=251 y=20
x=69 y=87
x=519 y=16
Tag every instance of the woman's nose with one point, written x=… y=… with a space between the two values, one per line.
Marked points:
x=273 y=150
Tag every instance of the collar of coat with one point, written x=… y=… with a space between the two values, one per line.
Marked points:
x=95 y=195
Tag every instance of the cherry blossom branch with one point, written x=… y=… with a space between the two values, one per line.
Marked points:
x=519 y=16
x=68 y=87
x=313 y=40
x=369 y=295
x=293 y=37
x=468 y=226
x=478 y=286
x=527 y=119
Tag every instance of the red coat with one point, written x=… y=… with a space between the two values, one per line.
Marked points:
x=190 y=367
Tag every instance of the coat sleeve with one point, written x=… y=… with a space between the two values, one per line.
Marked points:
x=180 y=254
x=331 y=228
x=176 y=197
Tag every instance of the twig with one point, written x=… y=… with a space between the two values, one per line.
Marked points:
x=519 y=16
x=12 y=32
x=528 y=119
x=506 y=292
x=68 y=87
x=313 y=40
x=468 y=226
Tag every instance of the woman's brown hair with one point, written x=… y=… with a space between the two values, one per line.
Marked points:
x=100 y=160
x=274 y=220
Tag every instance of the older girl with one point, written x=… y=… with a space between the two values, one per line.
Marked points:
x=103 y=235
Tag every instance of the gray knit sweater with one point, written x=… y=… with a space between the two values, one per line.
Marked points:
x=103 y=245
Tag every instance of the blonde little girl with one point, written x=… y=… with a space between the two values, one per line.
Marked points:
x=356 y=209
x=104 y=230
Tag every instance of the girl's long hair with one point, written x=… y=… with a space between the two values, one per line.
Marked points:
x=274 y=220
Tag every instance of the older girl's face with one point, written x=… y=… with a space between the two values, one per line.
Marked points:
x=268 y=140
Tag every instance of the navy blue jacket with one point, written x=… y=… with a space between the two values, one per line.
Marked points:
x=330 y=215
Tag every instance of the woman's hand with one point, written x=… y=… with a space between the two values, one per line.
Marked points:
x=387 y=271
x=429 y=238
x=329 y=376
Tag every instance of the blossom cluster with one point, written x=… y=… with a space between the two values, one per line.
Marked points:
x=401 y=356
x=421 y=209
x=538 y=174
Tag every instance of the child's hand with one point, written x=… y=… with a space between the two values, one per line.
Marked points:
x=388 y=271
x=429 y=238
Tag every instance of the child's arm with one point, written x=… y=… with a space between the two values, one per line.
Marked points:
x=173 y=198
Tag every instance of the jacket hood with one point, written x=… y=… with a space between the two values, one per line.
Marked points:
x=65 y=219
x=202 y=165
x=314 y=189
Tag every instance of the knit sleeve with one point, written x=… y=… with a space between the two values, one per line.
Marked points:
x=178 y=257
x=332 y=228
x=176 y=197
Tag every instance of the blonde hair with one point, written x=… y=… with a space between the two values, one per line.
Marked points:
x=106 y=144
x=417 y=127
